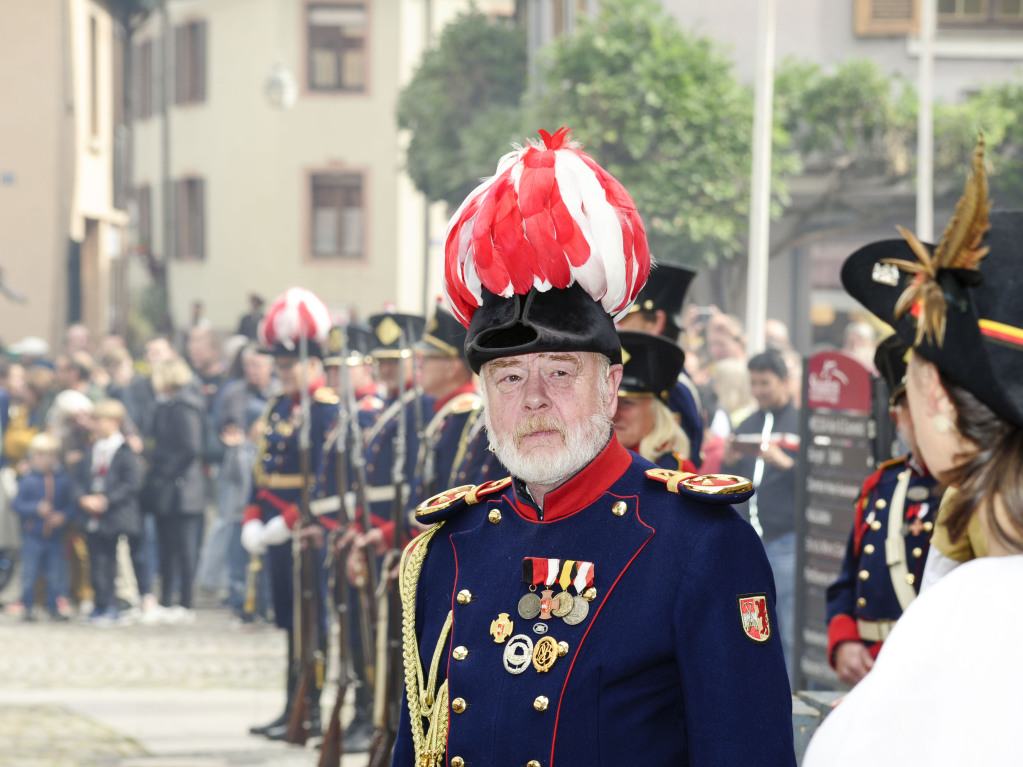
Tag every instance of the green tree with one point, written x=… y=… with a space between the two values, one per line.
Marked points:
x=662 y=110
x=461 y=106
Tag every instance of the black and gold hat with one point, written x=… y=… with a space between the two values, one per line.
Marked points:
x=957 y=303
x=651 y=365
x=890 y=361
x=391 y=330
x=355 y=340
x=665 y=290
x=444 y=336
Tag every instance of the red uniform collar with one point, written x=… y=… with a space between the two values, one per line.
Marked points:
x=581 y=490
x=316 y=383
x=466 y=388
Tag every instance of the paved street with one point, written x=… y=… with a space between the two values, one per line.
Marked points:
x=73 y=695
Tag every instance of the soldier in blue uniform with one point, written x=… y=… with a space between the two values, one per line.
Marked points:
x=656 y=311
x=273 y=510
x=446 y=378
x=887 y=549
x=643 y=422
x=592 y=608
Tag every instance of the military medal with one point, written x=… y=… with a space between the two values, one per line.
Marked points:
x=501 y=628
x=580 y=609
x=518 y=653
x=540 y=628
x=545 y=652
x=529 y=606
x=918 y=493
x=546 y=597
x=562 y=604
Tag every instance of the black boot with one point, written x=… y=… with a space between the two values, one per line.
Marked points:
x=312 y=707
x=289 y=688
x=360 y=730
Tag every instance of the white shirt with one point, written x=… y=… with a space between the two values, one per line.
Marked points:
x=103 y=451
x=947 y=688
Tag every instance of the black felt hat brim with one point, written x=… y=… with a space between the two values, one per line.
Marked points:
x=991 y=370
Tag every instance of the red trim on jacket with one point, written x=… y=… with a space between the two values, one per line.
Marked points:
x=467 y=388
x=584 y=488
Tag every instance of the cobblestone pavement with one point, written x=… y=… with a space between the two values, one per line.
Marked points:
x=73 y=695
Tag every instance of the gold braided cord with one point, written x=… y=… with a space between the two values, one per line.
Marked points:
x=959 y=248
x=422 y=702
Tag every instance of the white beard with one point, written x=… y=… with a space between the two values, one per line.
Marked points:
x=581 y=443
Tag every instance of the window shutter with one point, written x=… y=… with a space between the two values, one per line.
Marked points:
x=887 y=18
x=200 y=62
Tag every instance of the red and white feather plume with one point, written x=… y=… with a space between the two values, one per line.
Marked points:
x=296 y=313
x=550 y=217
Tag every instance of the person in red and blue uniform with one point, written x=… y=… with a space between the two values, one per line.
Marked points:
x=278 y=479
x=656 y=311
x=884 y=558
x=592 y=608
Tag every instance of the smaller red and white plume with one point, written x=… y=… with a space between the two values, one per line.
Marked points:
x=296 y=313
x=549 y=217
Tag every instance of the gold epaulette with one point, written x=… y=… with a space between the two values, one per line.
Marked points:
x=468 y=494
x=727 y=487
x=325 y=395
x=465 y=403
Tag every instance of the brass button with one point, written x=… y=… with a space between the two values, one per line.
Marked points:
x=460 y=653
x=458 y=705
x=910 y=578
x=494 y=516
x=868 y=549
x=541 y=703
x=619 y=508
x=590 y=594
x=918 y=552
x=464 y=597
x=562 y=649
x=875 y=525
x=928 y=526
x=864 y=574
x=861 y=602
x=457 y=761
x=533 y=763
x=881 y=503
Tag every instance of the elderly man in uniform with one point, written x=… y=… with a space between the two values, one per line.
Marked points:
x=593 y=608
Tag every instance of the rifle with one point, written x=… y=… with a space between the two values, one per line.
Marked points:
x=333 y=739
x=252 y=583
x=387 y=700
x=306 y=622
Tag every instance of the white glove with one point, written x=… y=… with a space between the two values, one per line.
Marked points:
x=276 y=531
x=252 y=537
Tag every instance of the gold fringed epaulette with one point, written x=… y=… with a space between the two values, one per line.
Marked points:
x=706 y=488
x=325 y=395
x=429 y=510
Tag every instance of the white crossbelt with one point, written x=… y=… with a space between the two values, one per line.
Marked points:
x=332 y=503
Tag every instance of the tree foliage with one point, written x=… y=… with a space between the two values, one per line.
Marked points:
x=461 y=106
x=662 y=110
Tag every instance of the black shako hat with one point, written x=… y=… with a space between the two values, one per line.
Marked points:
x=651 y=365
x=444 y=336
x=982 y=349
x=555 y=320
x=357 y=338
x=890 y=361
x=664 y=291
x=394 y=332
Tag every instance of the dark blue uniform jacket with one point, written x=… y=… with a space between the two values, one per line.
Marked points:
x=661 y=670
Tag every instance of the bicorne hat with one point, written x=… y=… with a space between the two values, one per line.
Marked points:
x=545 y=255
x=665 y=291
x=651 y=365
x=298 y=313
x=890 y=361
x=957 y=303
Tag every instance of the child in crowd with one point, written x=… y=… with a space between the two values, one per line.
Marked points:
x=44 y=502
x=109 y=479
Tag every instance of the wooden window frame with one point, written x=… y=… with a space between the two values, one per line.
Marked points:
x=311 y=223
x=190 y=218
x=190 y=58
x=341 y=89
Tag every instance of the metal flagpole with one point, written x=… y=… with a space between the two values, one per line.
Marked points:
x=925 y=124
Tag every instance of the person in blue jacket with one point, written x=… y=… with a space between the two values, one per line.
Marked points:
x=44 y=503
x=592 y=608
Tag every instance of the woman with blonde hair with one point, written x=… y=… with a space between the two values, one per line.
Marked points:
x=643 y=422
x=949 y=667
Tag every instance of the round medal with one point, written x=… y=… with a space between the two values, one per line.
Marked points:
x=529 y=606
x=518 y=654
x=580 y=609
x=562 y=604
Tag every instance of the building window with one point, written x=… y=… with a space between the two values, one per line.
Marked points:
x=190 y=229
x=885 y=18
x=144 y=224
x=337 y=47
x=337 y=215
x=190 y=63
x=979 y=13
x=144 y=80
